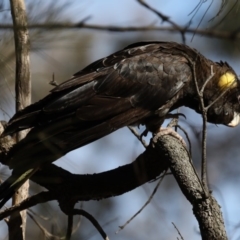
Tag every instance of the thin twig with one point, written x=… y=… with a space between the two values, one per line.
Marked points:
x=202 y=19
x=204 y=116
x=206 y=82
x=137 y=135
x=147 y=202
x=69 y=227
x=174 y=123
x=27 y=203
x=92 y=220
x=204 y=110
x=215 y=100
x=23 y=99
x=39 y=215
x=178 y=231
x=188 y=139
x=165 y=18
x=114 y=28
x=46 y=233
x=204 y=131
x=53 y=82
x=159 y=14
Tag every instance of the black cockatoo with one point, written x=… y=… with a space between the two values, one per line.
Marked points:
x=140 y=84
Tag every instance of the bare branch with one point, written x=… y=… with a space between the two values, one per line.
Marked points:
x=27 y=203
x=211 y=33
x=46 y=233
x=137 y=135
x=178 y=231
x=145 y=204
x=23 y=98
x=92 y=220
x=159 y=14
x=69 y=227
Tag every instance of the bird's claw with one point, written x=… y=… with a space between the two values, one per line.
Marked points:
x=144 y=134
x=169 y=131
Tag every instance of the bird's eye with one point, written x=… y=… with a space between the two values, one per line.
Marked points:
x=226 y=113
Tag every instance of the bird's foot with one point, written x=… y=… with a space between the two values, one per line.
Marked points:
x=168 y=131
x=175 y=115
x=144 y=134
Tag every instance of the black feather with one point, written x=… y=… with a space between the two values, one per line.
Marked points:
x=137 y=85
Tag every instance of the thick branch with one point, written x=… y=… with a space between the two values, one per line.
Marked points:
x=73 y=187
x=206 y=210
x=167 y=152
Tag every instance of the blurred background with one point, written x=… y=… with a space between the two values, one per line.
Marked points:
x=63 y=52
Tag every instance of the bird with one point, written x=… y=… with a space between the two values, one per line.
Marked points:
x=140 y=84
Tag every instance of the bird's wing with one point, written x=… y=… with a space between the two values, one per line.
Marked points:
x=144 y=75
x=122 y=89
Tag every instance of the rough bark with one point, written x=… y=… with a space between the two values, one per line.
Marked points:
x=23 y=98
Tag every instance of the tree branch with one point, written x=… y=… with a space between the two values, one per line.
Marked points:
x=206 y=210
x=211 y=33
x=23 y=98
x=69 y=188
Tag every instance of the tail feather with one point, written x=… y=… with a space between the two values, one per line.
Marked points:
x=24 y=122
x=13 y=183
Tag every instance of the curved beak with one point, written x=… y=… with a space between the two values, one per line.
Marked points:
x=235 y=121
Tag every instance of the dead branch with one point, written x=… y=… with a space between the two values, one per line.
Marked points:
x=167 y=152
x=206 y=210
x=145 y=204
x=90 y=218
x=23 y=98
x=210 y=33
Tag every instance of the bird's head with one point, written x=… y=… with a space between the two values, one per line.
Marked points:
x=223 y=94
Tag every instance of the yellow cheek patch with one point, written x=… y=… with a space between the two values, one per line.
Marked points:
x=227 y=80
